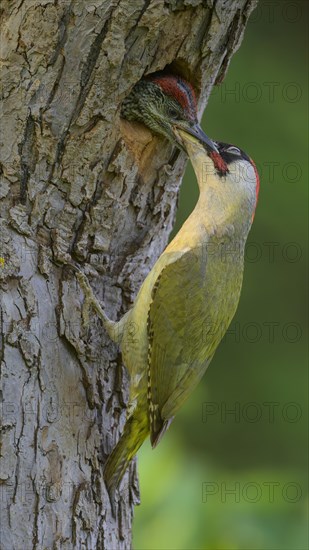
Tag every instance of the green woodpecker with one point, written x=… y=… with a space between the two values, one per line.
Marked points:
x=160 y=101
x=190 y=296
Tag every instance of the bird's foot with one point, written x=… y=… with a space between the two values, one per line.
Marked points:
x=90 y=301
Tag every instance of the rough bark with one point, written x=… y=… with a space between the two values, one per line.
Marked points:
x=77 y=183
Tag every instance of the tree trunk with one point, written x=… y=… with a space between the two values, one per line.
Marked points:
x=78 y=184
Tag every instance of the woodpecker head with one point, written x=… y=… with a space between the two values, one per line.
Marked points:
x=166 y=103
x=228 y=175
x=234 y=163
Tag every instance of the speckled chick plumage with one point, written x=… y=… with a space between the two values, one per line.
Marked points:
x=161 y=101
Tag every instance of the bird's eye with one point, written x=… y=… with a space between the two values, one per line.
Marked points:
x=172 y=112
x=233 y=150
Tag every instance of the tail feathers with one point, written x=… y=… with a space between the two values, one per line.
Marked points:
x=134 y=434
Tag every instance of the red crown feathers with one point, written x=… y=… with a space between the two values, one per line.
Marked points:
x=179 y=89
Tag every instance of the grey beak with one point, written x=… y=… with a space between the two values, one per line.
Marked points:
x=198 y=133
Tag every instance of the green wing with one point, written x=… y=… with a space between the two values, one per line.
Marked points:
x=177 y=351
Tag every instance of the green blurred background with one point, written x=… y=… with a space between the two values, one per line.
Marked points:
x=223 y=480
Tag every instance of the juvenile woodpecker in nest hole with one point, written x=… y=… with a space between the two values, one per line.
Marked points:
x=164 y=102
x=190 y=296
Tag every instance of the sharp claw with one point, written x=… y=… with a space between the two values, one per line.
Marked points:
x=89 y=298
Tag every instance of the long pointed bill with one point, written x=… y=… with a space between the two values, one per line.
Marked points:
x=197 y=132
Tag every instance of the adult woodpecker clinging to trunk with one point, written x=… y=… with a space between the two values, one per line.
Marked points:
x=189 y=298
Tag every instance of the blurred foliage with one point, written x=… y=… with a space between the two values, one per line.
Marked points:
x=262 y=107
